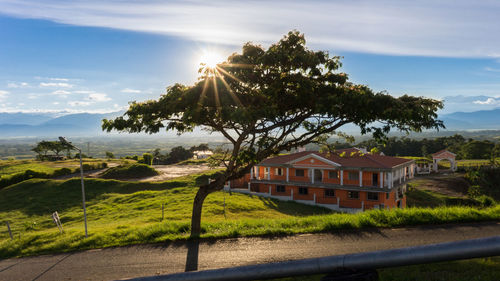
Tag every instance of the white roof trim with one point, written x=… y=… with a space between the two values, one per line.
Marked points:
x=444 y=151
x=316 y=157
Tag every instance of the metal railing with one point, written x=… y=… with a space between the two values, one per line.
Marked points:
x=466 y=249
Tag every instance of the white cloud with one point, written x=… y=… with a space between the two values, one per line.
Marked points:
x=3 y=94
x=17 y=85
x=448 y=28
x=80 y=103
x=488 y=101
x=59 y=79
x=52 y=84
x=61 y=93
x=97 y=97
x=55 y=103
x=130 y=91
x=490 y=69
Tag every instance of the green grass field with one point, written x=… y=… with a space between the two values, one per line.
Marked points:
x=123 y=213
x=8 y=167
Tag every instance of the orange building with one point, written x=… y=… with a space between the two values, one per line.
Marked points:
x=347 y=180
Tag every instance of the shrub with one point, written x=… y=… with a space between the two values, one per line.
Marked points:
x=148 y=158
x=22 y=176
x=129 y=172
x=486 y=201
x=62 y=172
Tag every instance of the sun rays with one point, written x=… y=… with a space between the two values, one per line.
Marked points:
x=212 y=69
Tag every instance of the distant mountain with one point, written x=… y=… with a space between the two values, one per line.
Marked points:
x=24 y=118
x=88 y=124
x=476 y=120
x=81 y=124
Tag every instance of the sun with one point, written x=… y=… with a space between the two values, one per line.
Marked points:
x=211 y=58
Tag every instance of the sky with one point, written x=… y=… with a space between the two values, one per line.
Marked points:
x=96 y=56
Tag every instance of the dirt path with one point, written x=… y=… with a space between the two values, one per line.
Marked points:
x=166 y=172
x=174 y=171
x=452 y=184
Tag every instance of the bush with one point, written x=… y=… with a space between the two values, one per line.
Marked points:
x=62 y=172
x=148 y=158
x=486 y=201
x=132 y=171
x=22 y=176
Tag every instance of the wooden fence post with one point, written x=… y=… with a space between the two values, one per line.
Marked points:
x=10 y=232
x=162 y=211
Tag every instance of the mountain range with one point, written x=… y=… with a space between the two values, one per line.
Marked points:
x=89 y=124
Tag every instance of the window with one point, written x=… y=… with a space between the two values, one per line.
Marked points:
x=299 y=173
x=280 y=188
x=266 y=171
x=354 y=176
x=333 y=174
x=279 y=171
x=329 y=192
x=387 y=195
x=353 y=194
x=303 y=190
x=372 y=196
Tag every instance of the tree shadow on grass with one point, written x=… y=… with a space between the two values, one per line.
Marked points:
x=293 y=208
x=42 y=196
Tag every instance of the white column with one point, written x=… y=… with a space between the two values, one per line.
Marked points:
x=381 y=179
x=270 y=190
x=248 y=186
x=257 y=172
x=363 y=205
x=312 y=175
x=341 y=177
x=286 y=174
x=399 y=176
x=404 y=173
x=291 y=194
x=314 y=197
x=251 y=173
x=360 y=178
x=268 y=173
x=389 y=180
x=338 y=201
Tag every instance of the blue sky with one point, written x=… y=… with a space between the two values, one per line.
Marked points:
x=96 y=56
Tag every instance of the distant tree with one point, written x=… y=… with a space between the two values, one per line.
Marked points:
x=476 y=149
x=77 y=155
x=110 y=155
x=495 y=155
x=267 y=101
x=43 y=147
x=147 y=158
x=178 y=154
x=201 y=147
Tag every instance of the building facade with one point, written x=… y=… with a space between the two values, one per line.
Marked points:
x=347 y=179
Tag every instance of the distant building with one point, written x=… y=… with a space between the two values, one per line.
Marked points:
x=202 y=154
x=346 y=180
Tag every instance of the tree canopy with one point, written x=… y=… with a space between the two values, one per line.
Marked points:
x=264 y=101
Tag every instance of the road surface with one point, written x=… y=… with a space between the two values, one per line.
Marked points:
x=148 y=260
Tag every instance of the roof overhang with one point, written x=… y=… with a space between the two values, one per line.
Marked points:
x=317 y=157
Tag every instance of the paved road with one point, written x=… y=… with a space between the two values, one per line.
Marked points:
x=147 y=260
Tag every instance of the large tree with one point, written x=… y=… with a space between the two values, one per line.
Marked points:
x=267 y=101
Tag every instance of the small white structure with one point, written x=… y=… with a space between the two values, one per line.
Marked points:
x=442 y=155
x=202 y=154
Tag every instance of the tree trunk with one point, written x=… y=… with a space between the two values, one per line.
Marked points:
x=202 y=193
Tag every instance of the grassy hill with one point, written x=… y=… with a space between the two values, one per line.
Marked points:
x=122 y=213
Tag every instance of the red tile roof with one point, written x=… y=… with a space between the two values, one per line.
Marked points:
x=350 y=157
